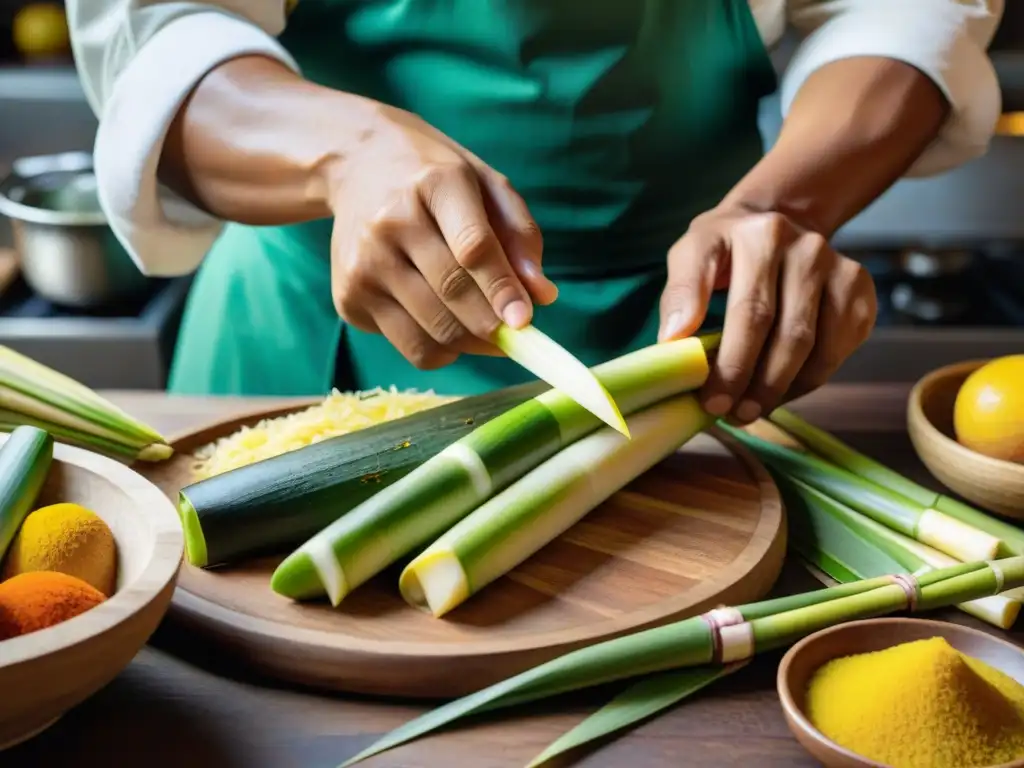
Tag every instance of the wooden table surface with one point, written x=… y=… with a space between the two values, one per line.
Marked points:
x=176 y=705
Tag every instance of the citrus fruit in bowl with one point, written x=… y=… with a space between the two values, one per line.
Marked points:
x=988 y=413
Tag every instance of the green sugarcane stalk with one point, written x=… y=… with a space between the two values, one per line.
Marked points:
x=839 y=453
x=845 y=544
x=419 y=507
x=929 y=526
x=10 y=421
x=25 y=460
x=32 y=394
x=511 y=526
x=830 y=447
x=742 y=632
x=837 y=529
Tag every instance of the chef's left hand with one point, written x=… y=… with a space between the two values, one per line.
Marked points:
x=796 y=308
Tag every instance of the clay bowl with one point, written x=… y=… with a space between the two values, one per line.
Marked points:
x=804 y=658
x=46 y=673
x=992 y=484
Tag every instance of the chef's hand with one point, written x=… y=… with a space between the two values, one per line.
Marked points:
x=431 y=247
x=796 y=309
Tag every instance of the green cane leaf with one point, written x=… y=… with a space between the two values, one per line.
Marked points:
x=638 y=702
x=685 y=644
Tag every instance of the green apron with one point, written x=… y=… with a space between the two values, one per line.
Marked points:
x=617 y=121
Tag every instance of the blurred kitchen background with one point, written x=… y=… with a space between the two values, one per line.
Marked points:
x=947 y=253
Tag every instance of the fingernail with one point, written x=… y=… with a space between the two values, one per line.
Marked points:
x=529 y=268
x=718 y=405
x=516 y=314
x=673 y=325
x=748 y=411
x=550 y=289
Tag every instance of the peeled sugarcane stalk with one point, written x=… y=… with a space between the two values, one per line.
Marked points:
x=547 y=360
x=999 y=610
x=926 y=525
x=722 y=636
x=511 y=526
x=34 y=395
x=830 y=447
x=433 y=497
x=828 y=533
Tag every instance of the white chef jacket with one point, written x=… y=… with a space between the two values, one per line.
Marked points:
x=139 y=59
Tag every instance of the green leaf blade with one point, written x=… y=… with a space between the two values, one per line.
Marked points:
x=686 y=644
x=640 y=701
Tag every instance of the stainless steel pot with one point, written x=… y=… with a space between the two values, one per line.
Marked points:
x=67 y=252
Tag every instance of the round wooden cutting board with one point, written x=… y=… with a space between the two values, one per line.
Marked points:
x=704 y=528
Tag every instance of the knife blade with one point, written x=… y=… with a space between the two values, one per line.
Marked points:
x=550 y=361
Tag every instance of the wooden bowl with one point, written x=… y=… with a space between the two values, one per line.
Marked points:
x=804 y=659
x=43 y=674
x=993 y=484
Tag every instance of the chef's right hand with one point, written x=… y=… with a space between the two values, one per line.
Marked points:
x=431 y=247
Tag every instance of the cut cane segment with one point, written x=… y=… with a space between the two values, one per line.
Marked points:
x=548 y=360
x=408 y=515
x=513 y=525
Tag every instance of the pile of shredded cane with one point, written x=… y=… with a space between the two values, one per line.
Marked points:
x=338 y=414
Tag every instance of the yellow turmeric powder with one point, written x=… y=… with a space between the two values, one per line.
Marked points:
x=919 y=705
x=68 y=539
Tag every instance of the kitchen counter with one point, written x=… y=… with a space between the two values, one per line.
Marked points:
x=178 y=705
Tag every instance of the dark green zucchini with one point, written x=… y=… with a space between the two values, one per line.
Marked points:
x=24 y=463
x=280 y=502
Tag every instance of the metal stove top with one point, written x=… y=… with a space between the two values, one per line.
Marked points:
x=125 y=346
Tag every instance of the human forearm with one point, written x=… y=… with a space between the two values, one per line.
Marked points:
x=253 y=140
x=853 y=129
x=138 y=63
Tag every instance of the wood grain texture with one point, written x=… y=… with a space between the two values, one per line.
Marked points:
x=701 y=529
x=994 y=485
x=183 y=703
x=45 y=673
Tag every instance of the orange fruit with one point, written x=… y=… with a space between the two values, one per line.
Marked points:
x=988 y=416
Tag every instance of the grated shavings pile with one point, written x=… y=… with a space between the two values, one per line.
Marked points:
x=338 y=414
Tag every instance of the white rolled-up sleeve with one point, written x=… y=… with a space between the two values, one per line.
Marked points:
x=947 y=40
x=138 y=61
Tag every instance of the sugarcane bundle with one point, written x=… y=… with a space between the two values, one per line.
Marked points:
x=829 y=447
x=720 y=637
x=409 y=514
x=848 y=546
x=927 y=525
x=33 y=395
x=839 y=542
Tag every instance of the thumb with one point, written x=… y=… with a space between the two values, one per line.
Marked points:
x=693 y=267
